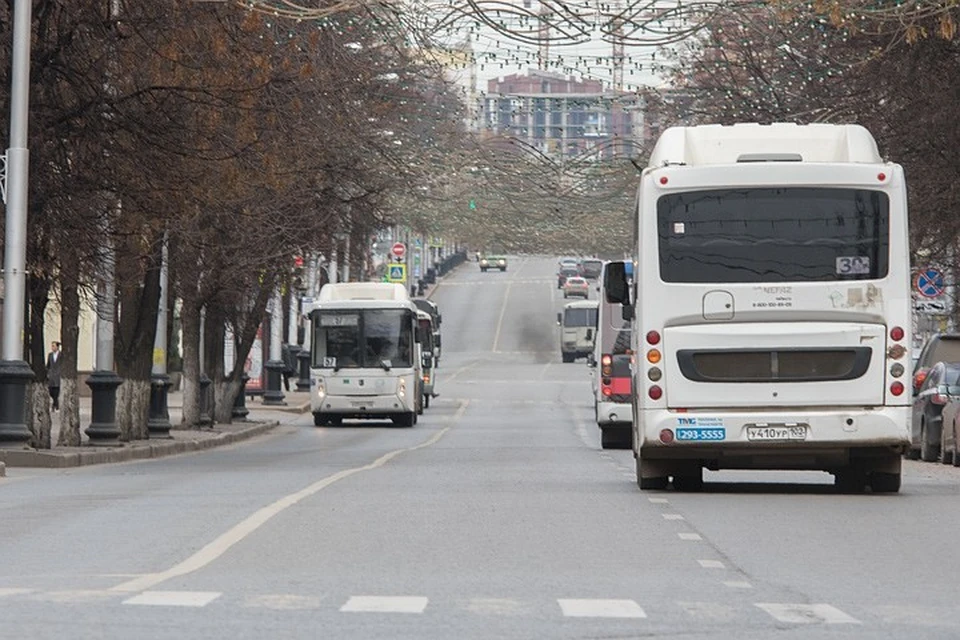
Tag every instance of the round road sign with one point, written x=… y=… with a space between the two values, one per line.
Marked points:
x=398 y=249
x=930 y=283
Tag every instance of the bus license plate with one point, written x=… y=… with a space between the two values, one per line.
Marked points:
x=777 y=433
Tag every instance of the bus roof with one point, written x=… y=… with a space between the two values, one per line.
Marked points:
x=363 y=291
x=751 y=142
x=582 y=304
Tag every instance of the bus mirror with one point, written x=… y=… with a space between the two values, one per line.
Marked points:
x=627 y=313
x=615 y=283
x=591 y=360
x=427 y=361
x=559 y=318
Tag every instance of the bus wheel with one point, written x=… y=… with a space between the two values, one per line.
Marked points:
x=318 y=420
x=850 y=481
x=405 y=420
x=912 y=454
x=650 y=483
x=568 y=357
x=882 y=482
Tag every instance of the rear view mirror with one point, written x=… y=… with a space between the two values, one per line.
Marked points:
x=627 y=312
x=559 y=318
x=615 y=283
x=591 y=360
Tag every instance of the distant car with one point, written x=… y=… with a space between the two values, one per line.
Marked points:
x=566 y=272
x=591 y=268
x=493 y=262
x=569 y=262
x=576 y=286
x=941 y=347
x=940 y=386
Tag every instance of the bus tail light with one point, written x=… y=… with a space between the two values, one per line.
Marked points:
x=666 y=436
x=654 y=373
x=653 y=337
x=897 y=333
x=607 y=391
x=896 y=388
x=653 y=356
x=606 y=364
x=655 y=392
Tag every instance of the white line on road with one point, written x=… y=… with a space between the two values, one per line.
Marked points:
x=689 y=536
x=738 y=584
x=385 y=604
x=503 y=311
x=251 y=523
x=711 y=564
x=174 y=598
x=807 y=613
x=601 y=609
x=12 y=591
x=659 y=500
x=672 y=516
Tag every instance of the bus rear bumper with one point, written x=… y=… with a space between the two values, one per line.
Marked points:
x=614 y=414
x=819 y=440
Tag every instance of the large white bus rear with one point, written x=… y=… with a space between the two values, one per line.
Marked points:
x=771 y=306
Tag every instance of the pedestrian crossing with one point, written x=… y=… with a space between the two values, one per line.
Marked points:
x=784 y=613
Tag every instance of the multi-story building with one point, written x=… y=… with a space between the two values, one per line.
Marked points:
x=561 y=116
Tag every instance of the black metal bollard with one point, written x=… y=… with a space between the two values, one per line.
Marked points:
x=158 y=423
x=240 y=410
x=303 y=384
x=273 y=394
x=103 y=429
x=206 y=406
x=15 y=375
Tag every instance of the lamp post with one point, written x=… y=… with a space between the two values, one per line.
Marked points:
x=15 y=373
x=273 y=394
x=158 y=423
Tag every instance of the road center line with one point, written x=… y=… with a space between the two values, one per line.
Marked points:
x=503 y=312
x=240 y=531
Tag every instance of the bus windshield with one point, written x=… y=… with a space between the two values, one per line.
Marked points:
x=800 y=234
x=362 y=339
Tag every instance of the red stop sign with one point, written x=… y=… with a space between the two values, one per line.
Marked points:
x=398 y=249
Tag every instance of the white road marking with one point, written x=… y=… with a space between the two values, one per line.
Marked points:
x=738 y=584
x=659 y=500
x=601 y=609
x=672 y=516
x=13 y=591
x=251 y=523
x=174 y=598
x=503 y=311
x=711 y=564
x=284 y=602
x=806 y=613
x=385 y=604
x=689 y=536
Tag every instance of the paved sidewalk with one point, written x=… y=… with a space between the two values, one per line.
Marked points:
x=260 y=419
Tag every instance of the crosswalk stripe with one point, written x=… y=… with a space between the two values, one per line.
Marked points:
x=598 y=608
x=690 y=536
x=711 y=564
x=806 y=613
x=174 y=598
x=385 y=604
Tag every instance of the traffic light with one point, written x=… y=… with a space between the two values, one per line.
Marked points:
x=298 y=281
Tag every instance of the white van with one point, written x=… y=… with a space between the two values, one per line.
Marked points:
x=578 y=328
x=365 y=360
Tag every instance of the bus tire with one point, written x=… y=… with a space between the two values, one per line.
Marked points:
x=882 y=482
x=850 y=480
x=650 y=483
x=406 y=419
x=318 y=420
x=912 y=454
x=568 y=357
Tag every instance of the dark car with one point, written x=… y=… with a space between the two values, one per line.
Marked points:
x=566 y=272
x=941 y=347
x=591 y=268
x=940 y=385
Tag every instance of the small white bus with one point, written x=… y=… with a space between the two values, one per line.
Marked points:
x=366 y=359
x=770 y=306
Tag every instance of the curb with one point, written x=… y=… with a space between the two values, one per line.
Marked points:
x=137 y=451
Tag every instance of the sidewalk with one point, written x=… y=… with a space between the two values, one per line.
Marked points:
x=260 y=419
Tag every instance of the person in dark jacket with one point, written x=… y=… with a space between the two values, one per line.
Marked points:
x=53 y=374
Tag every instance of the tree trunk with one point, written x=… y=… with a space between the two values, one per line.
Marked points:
x=38 y=406
x=190 y=324
x=226 y=393
x=138 y=277
x=70 y=335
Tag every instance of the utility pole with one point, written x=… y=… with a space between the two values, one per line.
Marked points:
x=15 y=373
x=158 y=423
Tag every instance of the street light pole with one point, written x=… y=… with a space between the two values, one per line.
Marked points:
x=15 y=373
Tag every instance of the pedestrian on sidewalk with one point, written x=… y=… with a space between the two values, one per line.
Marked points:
x=53 y=374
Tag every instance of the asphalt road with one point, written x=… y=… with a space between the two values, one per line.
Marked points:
x=497 y=516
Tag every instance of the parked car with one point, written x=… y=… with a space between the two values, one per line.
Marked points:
x=576 y=286
x=941 y=347
x=940 y=385
x=566 y=272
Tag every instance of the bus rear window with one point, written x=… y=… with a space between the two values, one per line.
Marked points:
x=792 y=234
x=580 y=317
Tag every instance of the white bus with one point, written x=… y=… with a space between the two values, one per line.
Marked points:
x=771 y=306
x=612 y=372
x=366 y=359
